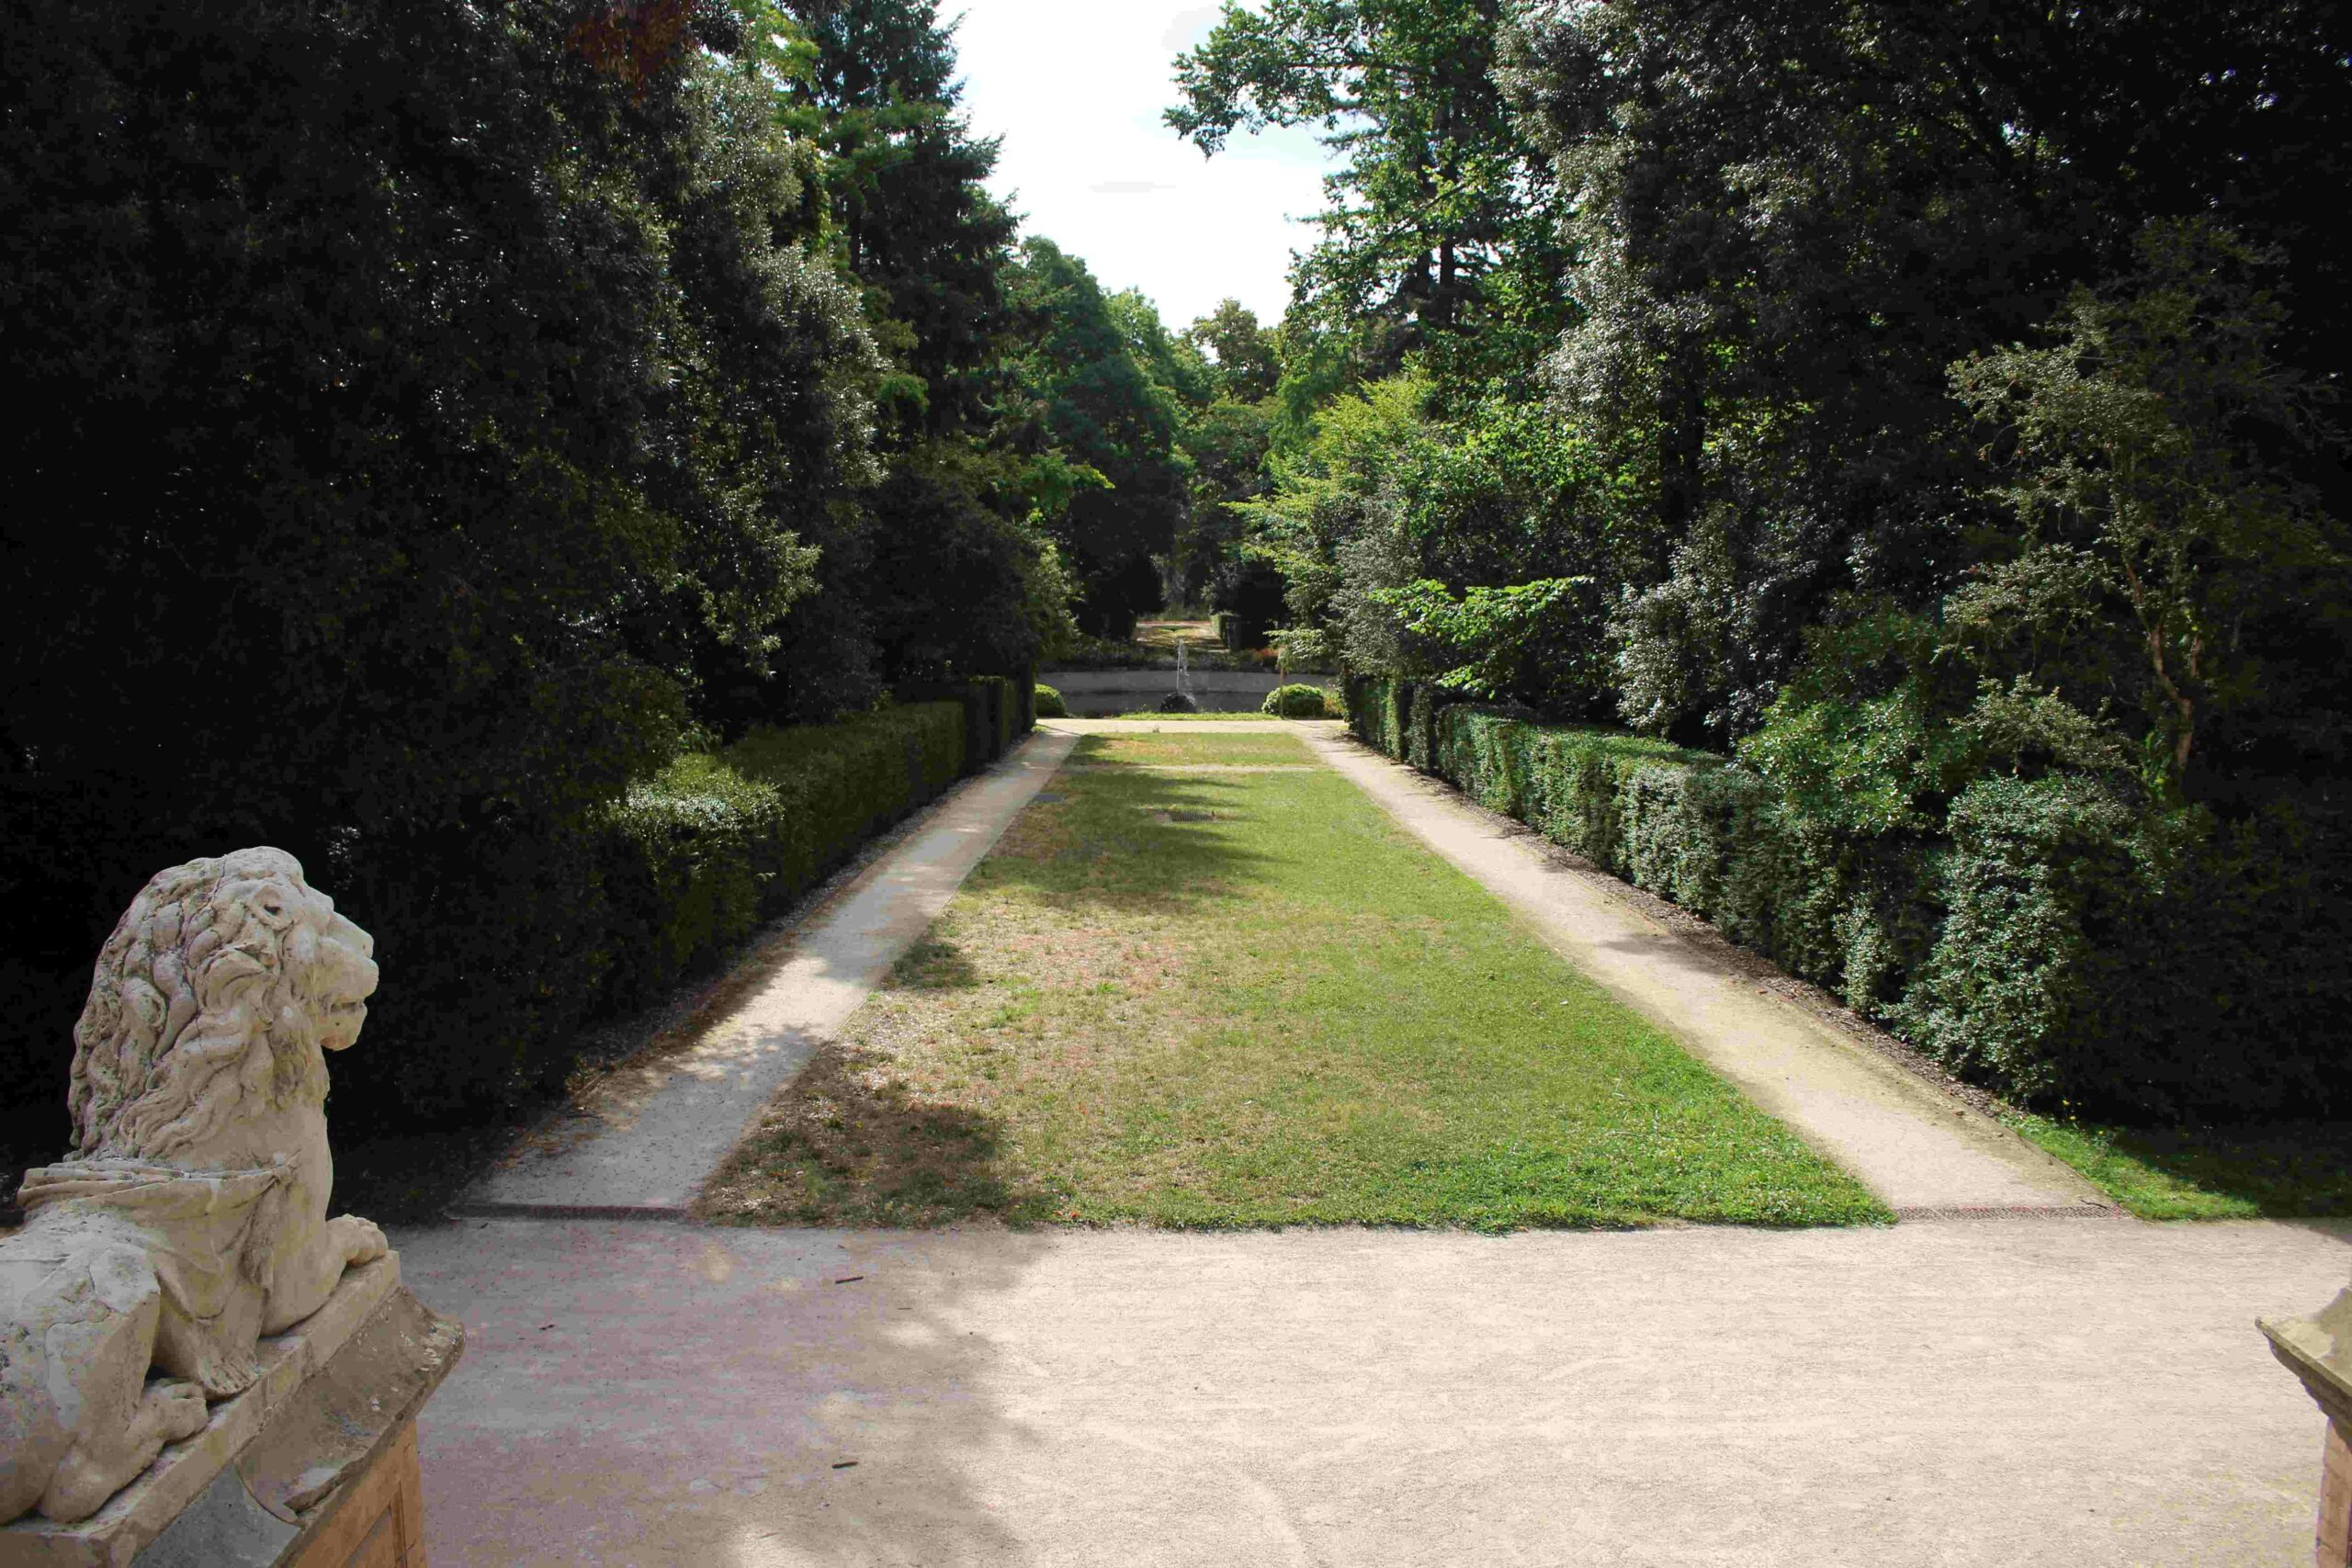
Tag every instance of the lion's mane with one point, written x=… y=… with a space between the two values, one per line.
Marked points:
x=193 y=1011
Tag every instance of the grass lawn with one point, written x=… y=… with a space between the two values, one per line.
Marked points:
x=2290 y=1170
x=1158 y=717
x=1227 y=998
x=1208 y=748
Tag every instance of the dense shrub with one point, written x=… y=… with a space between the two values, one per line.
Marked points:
x=1298 y=701
x=2164 y=963
x=2061 y=944
x=995 y=714
x=488 y=980
x=1050 y=704
x=500 y=945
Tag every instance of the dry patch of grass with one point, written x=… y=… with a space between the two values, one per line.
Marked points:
x=1246 y=999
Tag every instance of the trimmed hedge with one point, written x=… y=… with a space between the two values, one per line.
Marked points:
x=2057 y=944
x=1298 y=700
x=1049 y=704
x=696 y=857
x=997 y=710
x=501 y=943
x=489 y=982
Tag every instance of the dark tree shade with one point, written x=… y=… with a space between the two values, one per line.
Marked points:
x=417 y=404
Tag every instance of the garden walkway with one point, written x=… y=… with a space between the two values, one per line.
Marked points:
x=1974 y=1394
x=2013 y=1390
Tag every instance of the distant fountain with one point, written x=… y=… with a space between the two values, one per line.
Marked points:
x=1184 y=674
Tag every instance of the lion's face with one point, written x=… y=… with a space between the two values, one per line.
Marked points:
x=325 y=963
x=210 y=1004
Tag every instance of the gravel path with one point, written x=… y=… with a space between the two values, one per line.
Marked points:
x=2011 y=1393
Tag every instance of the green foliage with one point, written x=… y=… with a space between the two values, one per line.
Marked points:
x=1050 y=704
x=964 y=583
x=2166 y=564
x=1243 y=362
x=2058 y=942
x=503 y=962
x=874 y=89
x=2151 y=966
x=1443 y=227
x=1298 y=701
x=1497 y=632
x=398 y=495
x=1084 y=387
x=1862 y=737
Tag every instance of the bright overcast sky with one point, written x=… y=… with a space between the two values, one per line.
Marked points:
x=1076 y=87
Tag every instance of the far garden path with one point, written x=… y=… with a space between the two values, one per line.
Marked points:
x=1917 y=1147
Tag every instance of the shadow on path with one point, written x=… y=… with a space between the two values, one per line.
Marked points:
x=659 y=1393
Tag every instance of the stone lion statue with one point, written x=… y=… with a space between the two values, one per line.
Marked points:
x=192 y=1217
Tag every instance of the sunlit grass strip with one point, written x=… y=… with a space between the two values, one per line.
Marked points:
x=2289 y=1171
x=1247 y=999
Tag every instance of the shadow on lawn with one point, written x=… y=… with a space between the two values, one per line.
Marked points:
x=1164 y=843
x=2283 y=1171
x=849 y=1145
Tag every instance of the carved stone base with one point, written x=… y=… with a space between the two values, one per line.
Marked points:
x=2336 y=1500
x=381 y=1521
x=2318 y=1350
x=312 y=1467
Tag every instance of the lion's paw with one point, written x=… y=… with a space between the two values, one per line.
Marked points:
x=177 y=1408
x=360 y=1240
x=222 y=1376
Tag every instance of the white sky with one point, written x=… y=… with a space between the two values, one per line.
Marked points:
x=1076 y=87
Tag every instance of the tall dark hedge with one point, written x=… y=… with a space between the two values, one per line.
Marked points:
x=418 y=407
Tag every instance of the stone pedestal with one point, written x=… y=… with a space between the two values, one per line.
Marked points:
x=312 y=1467
x=2318 y=1350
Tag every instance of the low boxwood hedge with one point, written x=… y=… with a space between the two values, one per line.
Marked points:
x=499 y=949
x=2056 y=943
x=1298 y=701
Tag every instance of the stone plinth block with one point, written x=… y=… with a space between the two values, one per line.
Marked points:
x=2318 y=1350
x=314 y=1465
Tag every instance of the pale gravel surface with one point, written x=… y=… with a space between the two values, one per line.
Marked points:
x=2010 y=1394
